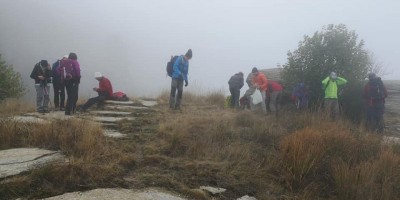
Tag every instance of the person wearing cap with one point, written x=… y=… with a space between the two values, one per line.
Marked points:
x=41 y=73
x=330 y=85
x=70 y=73
x=261 y=83
x=58 y=86
x=374 y=94
x=104 y=91
x=236 y=82
x=179 y=75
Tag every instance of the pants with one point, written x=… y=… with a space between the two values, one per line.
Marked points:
x=274 y=101
x=332 y=107
x=264 y=100
x=175 y=100
x=99 y=99
x=59 y=94
x=72 y=88
x=42 y=97
x=375 y=120
x=235 y=95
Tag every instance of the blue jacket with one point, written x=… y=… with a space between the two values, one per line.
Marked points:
x=180 y=69
x=54 y=74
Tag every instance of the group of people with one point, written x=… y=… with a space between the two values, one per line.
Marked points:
x=65 y=75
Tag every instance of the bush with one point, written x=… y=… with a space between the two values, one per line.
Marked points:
x=10 y=81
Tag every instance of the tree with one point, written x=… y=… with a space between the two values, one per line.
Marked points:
x=10 y=82
x=333 y=49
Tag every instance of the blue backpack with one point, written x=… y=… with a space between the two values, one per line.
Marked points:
x=170 y=65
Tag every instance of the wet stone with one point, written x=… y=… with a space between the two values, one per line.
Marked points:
x=390 y=140
x=28 y=119
x=247 y=198
x=105 y=112
x=112 y=119
x=148 y=103
x=212 y=190
x=127 y=107
x=114 y=134
x=15 y=161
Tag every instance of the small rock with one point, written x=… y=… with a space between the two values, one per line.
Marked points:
x=212 y=190
x=114 y=134
x=247 y=198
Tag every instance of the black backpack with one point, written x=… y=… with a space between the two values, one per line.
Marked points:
x=376 y=90
x=170 y=65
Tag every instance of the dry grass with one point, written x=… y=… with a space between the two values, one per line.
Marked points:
x=14 y=106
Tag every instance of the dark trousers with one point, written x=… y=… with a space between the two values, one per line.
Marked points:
x=99 y=99
x=235 y=94
x=375 y=120
x=72 y=88
x=175 y=99
x=59 y=94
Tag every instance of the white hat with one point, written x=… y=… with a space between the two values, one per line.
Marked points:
x=98 y=75
x=65 y=56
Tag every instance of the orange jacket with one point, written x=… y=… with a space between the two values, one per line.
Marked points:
x=261 y=81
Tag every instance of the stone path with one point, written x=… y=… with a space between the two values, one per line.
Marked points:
x=15 y=161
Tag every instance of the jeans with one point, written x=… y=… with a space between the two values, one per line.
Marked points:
x=59 y=94
x=99 y=99
x=175 y=99
x=235 y=95
x=274 y=101
x=42 y=97
x=375 y=120
x=264 y=100
x=72 y=96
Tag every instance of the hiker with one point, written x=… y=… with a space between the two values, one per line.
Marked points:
x=235 y=84
x=58 y=86
x=247 y=101
x=179 y=74
x=374 y=94
x=41 y=73
x=104 y=91
x=275 y=94
x=70 y=73
x=300 y=96
x=330 y=85
x=261 y=83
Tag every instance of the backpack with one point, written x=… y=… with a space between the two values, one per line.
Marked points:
x=170 y=65
x=120 y=96
x=68 y=70
x=376 y=90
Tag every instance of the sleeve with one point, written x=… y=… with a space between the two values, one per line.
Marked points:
x=77 y=69
x=265 y=82
x=241 y=82
x=186 y=71
x=325 y=81
x=341 y=81
x=34 y=73
x=48 y=73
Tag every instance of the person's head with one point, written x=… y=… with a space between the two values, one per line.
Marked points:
x=65 y=57
x=188 y=54
x=371 y=76
x=73 y=56
x=44 y=63
x=98 y=76
x=254 y=70
x=240 y=73
x=333 y=76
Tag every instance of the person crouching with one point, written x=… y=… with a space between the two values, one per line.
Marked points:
x=104 y=91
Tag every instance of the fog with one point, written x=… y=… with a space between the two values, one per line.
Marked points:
x=130 y=42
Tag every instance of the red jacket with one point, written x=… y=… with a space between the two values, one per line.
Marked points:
x=261 y=81
x=105 y=86
x=371 y=101
x=274 y=86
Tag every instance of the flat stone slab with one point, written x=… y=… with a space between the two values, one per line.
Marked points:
x=114 y=134
x=15 y=161
x=119 y=102
x=212 y=190
x=118 y=194
x=390 y=140
x=148 y=103
x=112 y=119
x=246 y=198
x=127 y=107
x=28 y=119
x=105 y=112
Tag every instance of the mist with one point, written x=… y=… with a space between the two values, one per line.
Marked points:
x=130 y=42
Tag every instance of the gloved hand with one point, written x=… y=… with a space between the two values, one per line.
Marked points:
x=186 y=83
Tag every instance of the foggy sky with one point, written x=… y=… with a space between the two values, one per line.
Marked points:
x=130 y=42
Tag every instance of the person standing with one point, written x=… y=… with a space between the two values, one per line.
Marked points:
x=374 y=94
x=236 y=83
x=261 y=83
x=179 y=75
x=275 y=93
x=330 y=85
x=41 y=73
x=70 y=73
x=58 y=86
x=300 y=96
x=104 y=91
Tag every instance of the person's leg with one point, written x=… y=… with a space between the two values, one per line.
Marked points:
x=46 y=98
x=232 y=91
x=370 y=118
x=380 y=110
x=62 y=95
x=68 y=108
x=335 y=109
x=263 y=102
x=174 y=84
x=272 y=102
x=56 y=90
x=75 y=96
x=237 y=97
x=179 y=95
x=39 y=98
x=91 y=102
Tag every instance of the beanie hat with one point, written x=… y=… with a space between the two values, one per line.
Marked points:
x=44 y=63
x=98 y=75
x=254 y=70
x=189 y=54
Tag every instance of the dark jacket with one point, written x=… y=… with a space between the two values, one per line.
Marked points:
x=367 y=96
x=41 y=71
x=54 y=74
x=236 y=81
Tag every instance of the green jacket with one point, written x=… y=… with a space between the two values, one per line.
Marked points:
x=331 y=87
